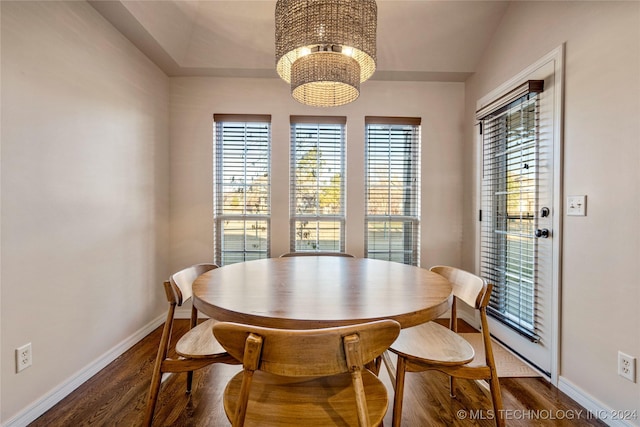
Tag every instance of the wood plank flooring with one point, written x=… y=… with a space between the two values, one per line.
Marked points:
x=116 y=396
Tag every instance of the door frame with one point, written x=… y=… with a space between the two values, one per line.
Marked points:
x=557 y=57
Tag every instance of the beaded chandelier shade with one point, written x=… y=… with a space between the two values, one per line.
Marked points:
x=325 y=48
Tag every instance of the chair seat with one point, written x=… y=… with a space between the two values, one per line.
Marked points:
x=293 y=401
x=433 y=343
x=199 y=342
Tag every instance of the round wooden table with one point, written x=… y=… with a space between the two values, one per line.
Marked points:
x=323 y=291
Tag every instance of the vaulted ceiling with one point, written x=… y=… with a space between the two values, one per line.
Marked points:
x=417 y=40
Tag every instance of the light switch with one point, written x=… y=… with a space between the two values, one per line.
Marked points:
x=577 y=205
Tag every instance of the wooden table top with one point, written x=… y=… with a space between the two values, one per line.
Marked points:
x=324 y=291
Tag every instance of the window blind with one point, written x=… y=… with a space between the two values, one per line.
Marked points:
x=317 y=185
x=392 y=213
x=242 y=188
x=508 y=254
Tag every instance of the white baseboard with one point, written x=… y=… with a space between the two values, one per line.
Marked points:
x=42 y=405
x=185 y=313
x=470 y=318
x=597 y=409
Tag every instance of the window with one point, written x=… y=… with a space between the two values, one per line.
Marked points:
x=242 y=187
x=392 y=216
x=317 y=186
x=509 y=250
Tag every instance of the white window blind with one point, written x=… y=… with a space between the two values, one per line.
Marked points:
x=317 y=185
x=392 y=216
x=508 y=257
x=242 y=187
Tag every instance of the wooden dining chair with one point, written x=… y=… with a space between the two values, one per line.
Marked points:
x=290 y=254
x=433 y=346
x=312 y=377
x=196 y=349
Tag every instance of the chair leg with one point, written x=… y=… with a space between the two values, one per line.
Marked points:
x=496 y=397
x=189 y=381
x=452 y=386
x=192 y=324
x=399 y=392
x=388 y=363
x=156 y=377
x=152 y=399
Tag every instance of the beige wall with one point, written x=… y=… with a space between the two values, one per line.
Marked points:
x=601 y=252
x=86 y=181
x=84 y=193
x=195 y=100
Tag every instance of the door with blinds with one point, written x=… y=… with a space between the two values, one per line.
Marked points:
x=516 y=216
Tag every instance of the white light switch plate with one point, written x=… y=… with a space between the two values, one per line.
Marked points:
x=577 y=205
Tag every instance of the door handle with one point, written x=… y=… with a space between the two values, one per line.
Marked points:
x=544 y=233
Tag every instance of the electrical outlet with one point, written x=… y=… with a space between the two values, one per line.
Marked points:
x=23 y=357
x=627 y=366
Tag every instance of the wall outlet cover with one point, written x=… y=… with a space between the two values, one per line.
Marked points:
x=577 y=205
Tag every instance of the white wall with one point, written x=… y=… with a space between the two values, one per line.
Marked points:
x=601 y=252
x=195 y=100
x=84 y=193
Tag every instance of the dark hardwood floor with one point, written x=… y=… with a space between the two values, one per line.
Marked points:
x=116 y=396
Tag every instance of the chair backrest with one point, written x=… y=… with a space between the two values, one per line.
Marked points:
x=290 y=254
x=180 y=284
x=311 y=352
x=467 y=287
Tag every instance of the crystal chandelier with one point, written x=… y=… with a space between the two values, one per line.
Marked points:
x=325 y=48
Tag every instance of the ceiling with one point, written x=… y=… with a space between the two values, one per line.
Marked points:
x=418 y=40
